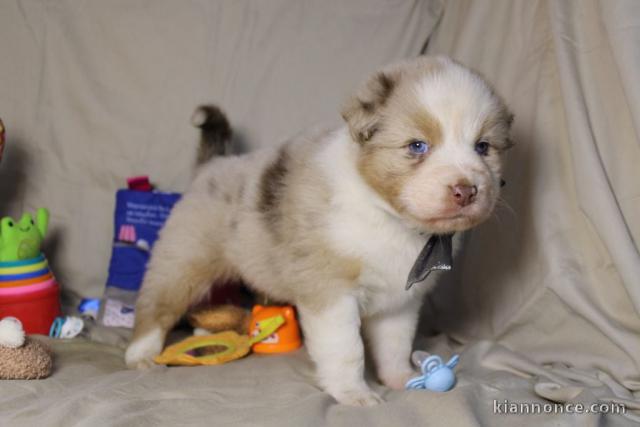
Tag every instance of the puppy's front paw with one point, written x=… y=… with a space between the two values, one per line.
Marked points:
x=142 y=364
x=358 y=397
x=136 y=359
x=140 y=353
x=397 y=380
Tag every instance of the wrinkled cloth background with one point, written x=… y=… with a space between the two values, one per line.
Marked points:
x=543 y=303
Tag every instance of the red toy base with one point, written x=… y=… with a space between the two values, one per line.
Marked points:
x=36 y=310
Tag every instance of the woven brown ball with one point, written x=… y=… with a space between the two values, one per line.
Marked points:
x=222 y=318
x=33 y=360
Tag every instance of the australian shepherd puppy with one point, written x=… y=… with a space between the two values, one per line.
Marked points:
x=333 y=223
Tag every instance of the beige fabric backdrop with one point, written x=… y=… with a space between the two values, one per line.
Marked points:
x=556 y=275
x=545 y=295
x=93 y=92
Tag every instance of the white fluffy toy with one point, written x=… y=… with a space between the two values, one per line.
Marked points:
x=11 y=332
x=22 y=357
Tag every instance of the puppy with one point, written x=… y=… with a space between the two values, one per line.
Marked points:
x=333 y=223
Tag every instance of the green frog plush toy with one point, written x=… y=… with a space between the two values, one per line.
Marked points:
x=20 y=240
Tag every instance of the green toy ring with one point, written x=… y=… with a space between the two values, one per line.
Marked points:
x=21 y=263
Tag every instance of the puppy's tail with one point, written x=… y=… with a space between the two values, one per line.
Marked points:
x=215 y=136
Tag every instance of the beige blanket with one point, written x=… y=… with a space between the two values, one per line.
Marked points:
x=543 y=304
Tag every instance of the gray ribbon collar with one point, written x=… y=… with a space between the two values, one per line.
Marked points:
x=437 y=254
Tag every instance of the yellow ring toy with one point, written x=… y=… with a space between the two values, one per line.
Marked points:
x=10 y=271
x=228 y=345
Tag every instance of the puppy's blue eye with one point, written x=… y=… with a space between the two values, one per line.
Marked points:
x=482 y=147
x=418 y=147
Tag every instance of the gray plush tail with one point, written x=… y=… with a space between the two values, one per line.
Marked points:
x=215 y=136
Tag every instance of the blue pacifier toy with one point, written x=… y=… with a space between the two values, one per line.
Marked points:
x=66 y=327
x=436 y=375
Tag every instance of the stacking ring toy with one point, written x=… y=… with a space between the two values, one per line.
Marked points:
x=36 y=309
x=17 y=283
x=6 y=271
x=22 y=290
x=14 y=277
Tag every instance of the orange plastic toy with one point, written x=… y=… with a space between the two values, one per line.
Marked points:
x=286 y=338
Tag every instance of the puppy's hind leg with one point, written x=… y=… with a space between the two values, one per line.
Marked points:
x=177 y=276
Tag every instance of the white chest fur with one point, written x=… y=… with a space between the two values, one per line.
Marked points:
x=361 y=225
x=387 y=253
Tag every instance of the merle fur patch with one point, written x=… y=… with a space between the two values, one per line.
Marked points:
x=272 y=184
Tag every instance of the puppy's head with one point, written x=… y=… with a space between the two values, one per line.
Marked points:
x=431 y=135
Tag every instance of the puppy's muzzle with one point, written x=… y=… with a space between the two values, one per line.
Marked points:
x=464 y=194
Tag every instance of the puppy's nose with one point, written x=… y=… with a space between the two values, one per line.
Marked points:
x=464 y=194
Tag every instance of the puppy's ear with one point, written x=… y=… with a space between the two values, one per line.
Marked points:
x=510 y=118
x=363 y=111
x=510 y=143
